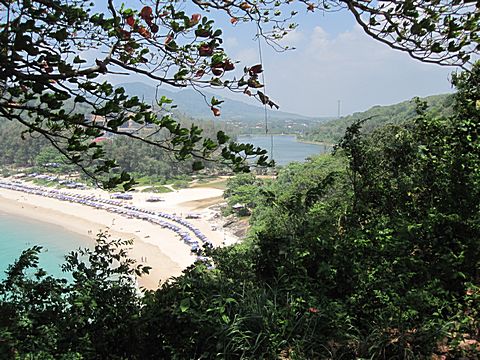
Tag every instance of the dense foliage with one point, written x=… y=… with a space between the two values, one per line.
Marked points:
x=16 y=150
x=244 y=191
x=332 y=131
x=373 y=252
x=94 y=316
x=136 y=157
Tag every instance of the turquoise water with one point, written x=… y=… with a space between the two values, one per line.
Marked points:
x=286 y=148
x=17 y=234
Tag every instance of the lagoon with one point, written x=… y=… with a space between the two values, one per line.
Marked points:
x=286 y=148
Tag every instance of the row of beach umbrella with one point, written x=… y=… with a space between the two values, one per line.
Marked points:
x=165 y=220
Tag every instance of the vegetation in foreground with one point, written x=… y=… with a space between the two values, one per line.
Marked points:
x=373 y=252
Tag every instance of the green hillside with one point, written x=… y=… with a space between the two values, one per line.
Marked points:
x=245 y=118
x=332 y=131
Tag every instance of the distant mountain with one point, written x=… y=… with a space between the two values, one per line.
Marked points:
x=332 y=131
x=193 y=104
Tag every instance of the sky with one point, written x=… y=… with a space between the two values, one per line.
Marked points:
x=334 y=62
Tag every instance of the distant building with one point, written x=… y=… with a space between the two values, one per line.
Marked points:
x=98 y=120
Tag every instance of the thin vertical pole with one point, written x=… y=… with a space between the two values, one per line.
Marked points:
x=271 y=146
x=265 y=89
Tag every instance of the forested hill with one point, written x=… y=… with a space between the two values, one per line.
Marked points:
x=332 y=131
x=193 y=104
x=243 y=117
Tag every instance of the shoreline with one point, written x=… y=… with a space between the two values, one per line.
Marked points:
x=167 y=255
x=314 y=142
x=296 y=139
x=163 y=268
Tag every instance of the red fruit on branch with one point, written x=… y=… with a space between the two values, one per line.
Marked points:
x=130 y=21
x=154 y=28
x=203 y=33
x=228 y=66
x=199 y=73
x=217 y=71
x=233 y=20
x=205 y=50
x=195 y=19
x=124 y=35
x=245 y=6
x=216 y=111
x=129 y=49
x=255 y=69
x=146 y=13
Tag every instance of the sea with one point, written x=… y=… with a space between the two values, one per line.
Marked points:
x=286 y=148
x=18 y=234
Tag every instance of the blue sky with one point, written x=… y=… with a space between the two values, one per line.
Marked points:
x=334 y=60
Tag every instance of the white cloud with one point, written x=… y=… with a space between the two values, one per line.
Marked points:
x=246 y=56
x=293 y=39
x=351 y=48
x=350 y=67
x=231 y=42
x=319 y=41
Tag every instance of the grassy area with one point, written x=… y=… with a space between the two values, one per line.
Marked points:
x=203 y=179
x=159 y=189
x=147 y=180
x=180 y=184
x=216 y=184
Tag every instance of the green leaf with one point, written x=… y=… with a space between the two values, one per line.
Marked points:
x=197 y=165
x=215 y=101
x=60 y=35
x=222 y=138
x=436 y=48
x=184 y=305
x=78 y=60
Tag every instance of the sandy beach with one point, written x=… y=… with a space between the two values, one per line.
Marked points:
x=162 y=249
